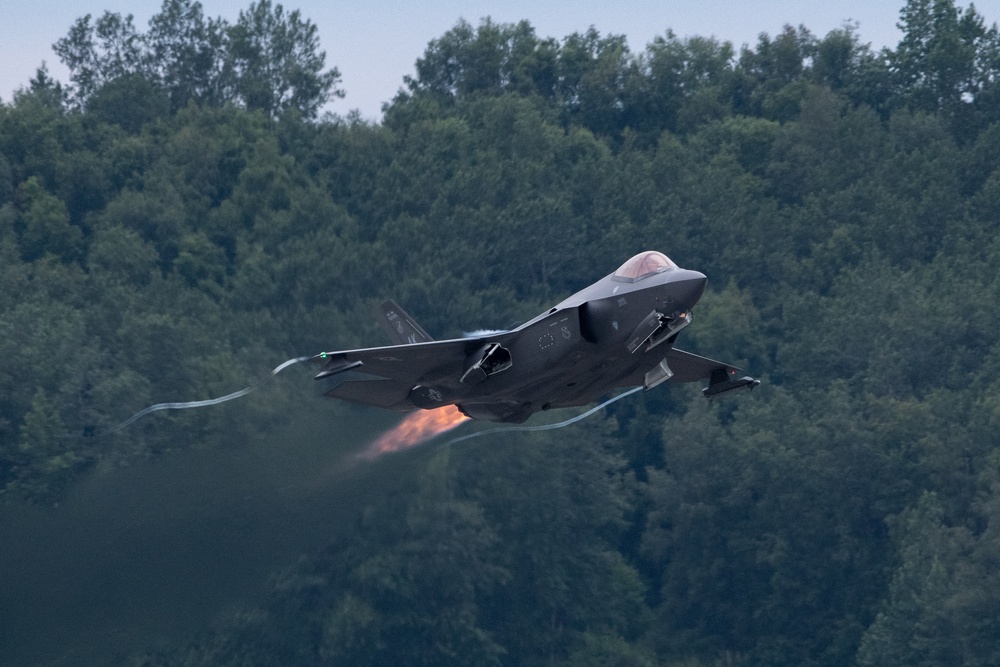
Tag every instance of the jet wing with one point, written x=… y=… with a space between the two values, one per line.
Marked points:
x=384 y=376
x=689 y=367
x=411 y=363
x=721 y=377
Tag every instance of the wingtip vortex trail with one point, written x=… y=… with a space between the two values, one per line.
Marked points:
x=200 y=404
x=545 y=427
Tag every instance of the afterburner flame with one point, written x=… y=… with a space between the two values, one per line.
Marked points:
x=416 y=428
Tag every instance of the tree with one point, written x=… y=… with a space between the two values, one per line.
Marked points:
x=593 y=73
x=683 y=83
x=47 y=459
x=773 y=74
x=99 y=53
x=268 y=60
x=129 y=101
x=915 y=628
x=416 y=599
x=491 y=59
x=946 y=58
x=187 y=50
x=276 y=64
x=45 y=89
x=557 y=503
x=47 y=227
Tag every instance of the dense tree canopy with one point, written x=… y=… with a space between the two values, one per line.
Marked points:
x=268 y=60
x=175 y=216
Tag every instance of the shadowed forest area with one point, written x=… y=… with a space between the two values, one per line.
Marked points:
x=178 y=218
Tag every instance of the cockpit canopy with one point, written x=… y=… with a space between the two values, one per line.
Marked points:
x=642 y=265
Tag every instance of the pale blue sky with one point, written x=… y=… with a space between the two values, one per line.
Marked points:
x=375 y=43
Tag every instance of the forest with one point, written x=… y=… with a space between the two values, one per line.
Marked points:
x=180 y=217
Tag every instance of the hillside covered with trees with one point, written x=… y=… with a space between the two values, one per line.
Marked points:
x=178 y=218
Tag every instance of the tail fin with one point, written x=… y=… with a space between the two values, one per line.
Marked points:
x=402 y=328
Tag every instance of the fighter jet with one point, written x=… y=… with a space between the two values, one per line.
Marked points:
x=618 y=332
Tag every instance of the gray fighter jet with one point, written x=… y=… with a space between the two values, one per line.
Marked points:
x=619 y=332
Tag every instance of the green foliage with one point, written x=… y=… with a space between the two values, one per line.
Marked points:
x=46 y=227
x=915 y=627
x=268 y=61
x=129 y=101
x=421 y=592
x=44 y=461
x=276 y=64
x=175 y=227
x=186 y=51
x=99 y=53
x=490 y=60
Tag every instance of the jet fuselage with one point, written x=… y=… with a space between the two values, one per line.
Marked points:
x=618 y=332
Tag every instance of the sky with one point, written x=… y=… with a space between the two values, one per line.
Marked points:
x=375 y=43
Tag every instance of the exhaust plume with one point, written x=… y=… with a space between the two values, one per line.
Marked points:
x=415 y=428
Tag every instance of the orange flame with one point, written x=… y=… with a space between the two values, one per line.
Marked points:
x=415 y=428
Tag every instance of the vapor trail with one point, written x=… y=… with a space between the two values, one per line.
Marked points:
x=544 y=427
x=205 y=403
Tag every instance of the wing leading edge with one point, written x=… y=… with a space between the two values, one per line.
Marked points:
x=385 y=376
x=721 y=377
x=688 y=367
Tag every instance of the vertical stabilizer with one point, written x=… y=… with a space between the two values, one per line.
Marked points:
x=402 y=328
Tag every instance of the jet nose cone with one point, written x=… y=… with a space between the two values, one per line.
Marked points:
x=690 y=287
